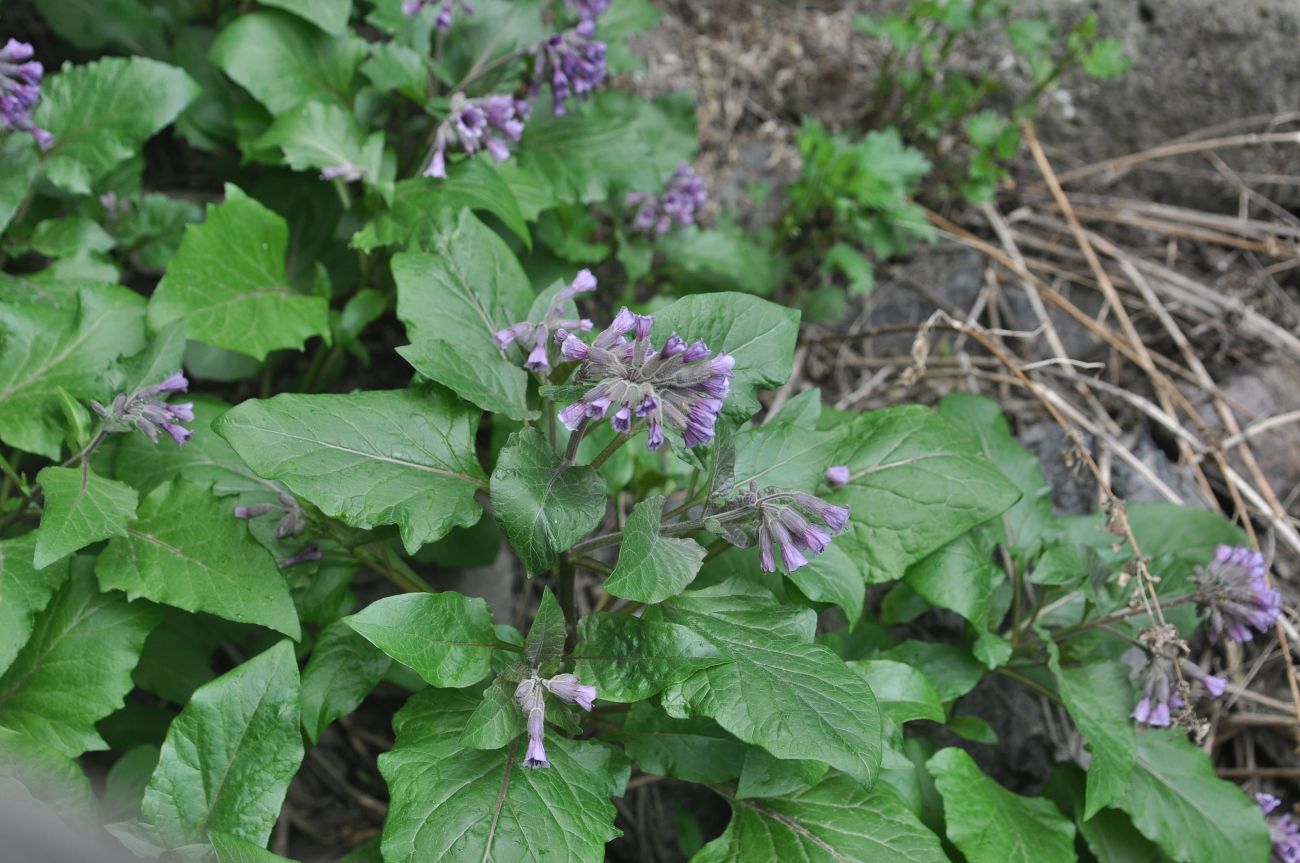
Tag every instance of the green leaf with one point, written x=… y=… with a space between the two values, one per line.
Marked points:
x=452 y=302
x=1177 y=802
x=835 y=821
x=284 y=61
x=765 y=776
x=902 y=691
x=230 y=754
x=950 y=668
x=989 y=824
x=232 y=849
x=329 y=15
x=916 y=483
x=44 y=348
x=1099 y=699
x=497 y=719
x=343 y=669
x=26 y=591
x=961 y=577
x=543 y=505
x=206 y=460
x=18 y=153
x=446 y=638
x=473 y=184
x=759 y=334
x=545 y=642
x=630 y=658
x=720 y=259
x=102 y=113
x=827 y=711
x=80 y=508
x=315 y=135
x=454 y=803
x=46 y=774
x=1110 y=834
x=652 y=567
x=368 y=458
x=785 y=455
x=76 y=667
x=1106 y=59
x=694 y=750
x=229 y=284
x=188 y=550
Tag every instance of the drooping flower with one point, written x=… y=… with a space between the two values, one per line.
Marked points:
x=682 y=386
x=681 y=201
x=528 y=695
x=837 y=475
x=535 y=336
x=292 y=521
x=785 y=523
x=572 y=62
x=145 y=411
x=20 y=90
x=1233 y=590
x=1282 y=830
x=569 y=689
x=308 y=554
x=1161 y=695
x=446 y=10
x=489 y=122
x=588 y=10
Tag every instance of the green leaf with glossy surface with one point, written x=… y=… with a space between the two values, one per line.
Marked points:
x=454 y=803
x=902 y=692
x=766 y=776
x=367 y=458
x=232 y=849
x=630 y=658
x=24 y=592
x=229 y=284
x=950 y=668
x=188 y=550
x=230 y=754
x=652 y=567
x=80 y=508
x=1099 y=698
x=446 y=638
x=102 y=113
x=343 y=669
x=18 y=153
x=546 y=636
x=473 y=184
x=497 y=720
x=543 y=505
x=76 y=667
x=1110 y=834
x=329 y=15
x=785 y=455
x=315 y=136
x=960 y=576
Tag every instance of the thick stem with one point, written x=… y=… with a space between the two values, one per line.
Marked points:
x=564 y=593
x=610 y=450
x=575 y=440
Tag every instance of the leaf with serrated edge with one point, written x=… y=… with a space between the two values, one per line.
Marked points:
x=652 y=567
x=546 y=636
x=367 y=458
x=453 y=803
x=343 y=669
x=188 y=550
x=630 y=658
x=26 y=591
x=445 y=638
x=76 y=667
x=80 y=508
x=229 y=756
x=319 y=136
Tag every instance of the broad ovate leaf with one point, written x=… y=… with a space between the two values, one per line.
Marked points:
x=446 y=638
x=652 y=567
x=343 y=669
x=26 y=591
x=1099 y=698
x=630 y=658
x=81 y=507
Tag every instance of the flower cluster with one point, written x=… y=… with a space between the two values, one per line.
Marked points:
x=1234 y=591
x=20 y=90
x=490 y=122
x=572 y=62
x=1162 y=695
x=292 y=520
x=680 y=202
x=783 y=521
x=588 y=10
x=446 y=8
x=529 y=695
x=145 y=411
x=682 y=386
x=1282 y=830
x=535 y=337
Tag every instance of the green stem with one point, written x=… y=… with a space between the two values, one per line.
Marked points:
x=1031 y=683
x=1080 y=628
x=575 y=440
x=564 y=593
x=610 y=450
x=593 y=564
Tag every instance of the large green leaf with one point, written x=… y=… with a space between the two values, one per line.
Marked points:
x=795 y=699
x=1099 y=698
x=835 y=821
x=760 y=335
x=546 y=637
x=188 y=550
x=543 y=505
x=18 y=155
x=316 y=136
x=989 y=824
x=449 y=802
x=902 y=691
x=45 y=773
x=784 y=455
x=630 y=658
x=694 y=749
x=284 y=61
x=652 y=567
x=916 y=483
x=1177 y=802
x=102 y=113
x=453 y=300
x=24 y=592
x=961 y=576
x=76 y=667
x=446 y=638
x=232 y=849
x=329 y=15
x=229 y=284
x=343 y=669
x=44 y=348
x=80 y=508
x=229 y=756
x=1110 y=834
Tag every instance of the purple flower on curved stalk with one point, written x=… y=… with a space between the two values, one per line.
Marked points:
x=1234 y=592
x=489 y=123
x=785 y=521
x=571 y=62
x=20 y=90
x=588 y=10
x=528 y=695
x=680 y=386
x=569 y=689
x=292 y=522
x=681 y=201
x=1161 y=693
x=837 y=475
x=1282 y=830
x=535 y=336
x=145 y=411
x=446 y=10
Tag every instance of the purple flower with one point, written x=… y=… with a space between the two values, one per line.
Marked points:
x=1234 y=592
x=536 y=336
x=307 y=555
x=146 y=412
x=837 y=475
x=676 y=387
x=489 y=122
x=347 y=172
x=528 y=695
x=20 y=90
x=446 y=10
x=1161 y=693
x=292 y=521
x=571 y=62
x=570 y=690
x=1282 y=830
x=784 y=519
x=682 y=200
x=588 y=10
